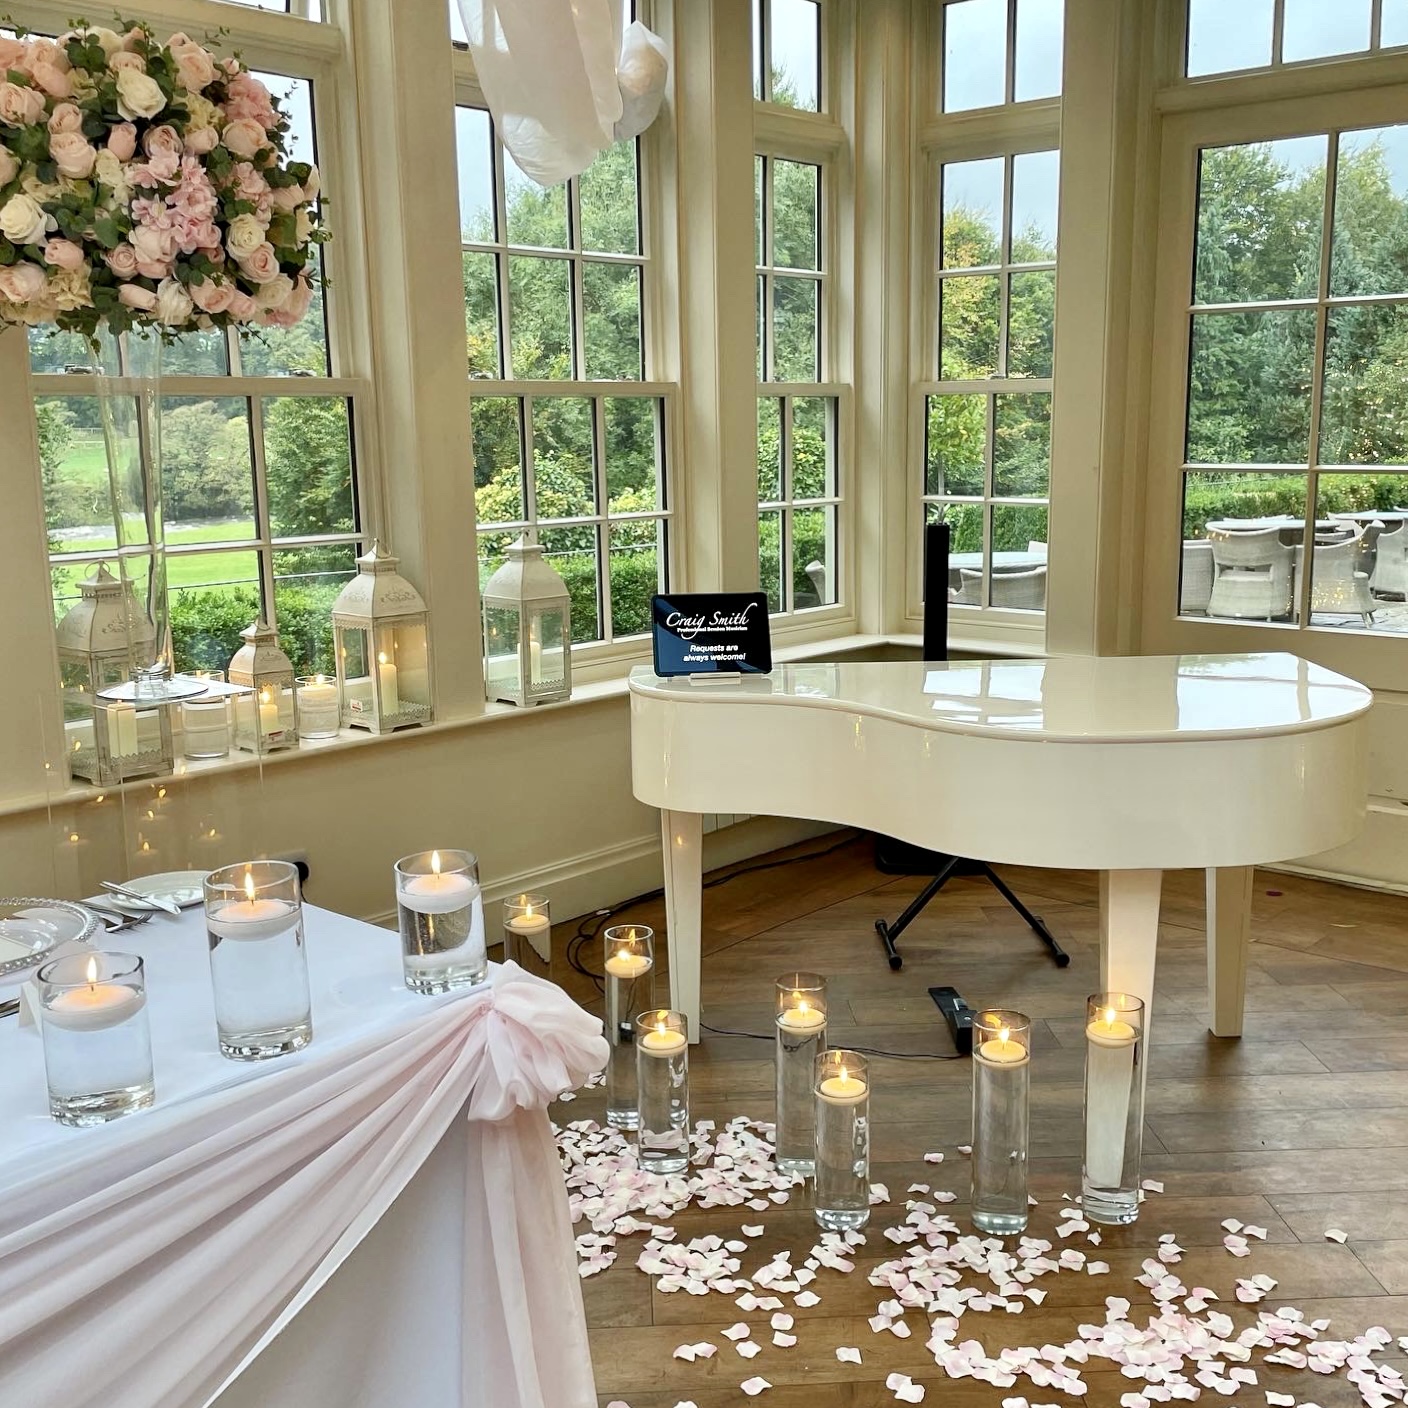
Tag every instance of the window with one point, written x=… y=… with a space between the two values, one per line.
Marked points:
x=798 y=486
x=257 y=456
x=1253 y=34
x=787 y=54
x=1000 y=51
x=569 y=438
x=1297 y=335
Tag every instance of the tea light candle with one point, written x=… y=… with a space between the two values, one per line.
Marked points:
x=530 y=923
x=1003 y=1051
x=1110 y=1074
x=437 y=893
x=624 y=964
x=96 y=1007
x=386 y=675
x=844 y=1089
x=662 y=1041
x=251 y=918
x=802 y=1017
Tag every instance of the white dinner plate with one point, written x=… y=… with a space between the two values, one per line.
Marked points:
x=28 y=934
x=183 y=887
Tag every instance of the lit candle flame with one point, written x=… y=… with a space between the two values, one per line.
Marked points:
x=249 y=884
x=1004 y=1034
x=435 y=862
x=528 y=913
x=320 y=679
x=381 y=657
x=92 y=971
x=266 y=695
x=660 y=1028
x=73 y=835
x=1109 y=1016
x=622 y=955
x=803 y=1008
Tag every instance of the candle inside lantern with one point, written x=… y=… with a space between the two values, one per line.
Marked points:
x=386 y=677
x=122 y=733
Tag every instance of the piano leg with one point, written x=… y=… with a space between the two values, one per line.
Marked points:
x=1129 y=933
x=682 y=843
x=1229 y=918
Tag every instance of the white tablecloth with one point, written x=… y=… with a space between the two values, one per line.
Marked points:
x=326 y=1229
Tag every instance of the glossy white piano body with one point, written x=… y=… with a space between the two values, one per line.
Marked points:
x=1125 y=765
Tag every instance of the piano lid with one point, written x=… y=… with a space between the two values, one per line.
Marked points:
x=1078 y=698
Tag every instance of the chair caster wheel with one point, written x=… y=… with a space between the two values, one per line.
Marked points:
x=1063 y=960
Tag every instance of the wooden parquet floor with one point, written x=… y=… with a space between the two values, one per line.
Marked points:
x=1299 y=1126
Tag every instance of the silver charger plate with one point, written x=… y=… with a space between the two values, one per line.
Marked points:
x=30 y=929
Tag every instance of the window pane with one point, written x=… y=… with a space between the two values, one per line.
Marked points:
x=813 y=558
x=74 y=469
x=1035 y=180
x=955 y=441
x=759 y=170
x=308 y=460
x=306 y=583
x=492 y=552
x=213 y=597
x=496 y=431
x=207 y=469
x=759 y=85
x=812 y=456
x=1393 y=25
x=1314 y=29
x=564 y=481
x=611 y=309
x=187 y=354
x=610 y=209
x=481 y=313
x=540 y=318
x=1370 y=253
x=1021 y=450
x=770 y=556
x=632 y=454
x=965 y=563
x=1260 y=213
x=970 y=319
x=1031 y=324
x=536 y=217
x=572 y=553
x=796 y=329
x=53 y=351
x=1018 y=580
x=474 y=152
x=1359 y=571
x=769 y=449
x=972 y=212
x=975 y=54
x=637 y=553
x=1252 y=523
x=1223 y=37
x=1040 y=41
x=760 y=299
x=796 y=47
x=457 y=31
x=1249 y=392
x=1364 y=415
x=796 y=204
x=301 y=349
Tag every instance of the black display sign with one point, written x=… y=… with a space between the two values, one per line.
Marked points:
x=712 y=633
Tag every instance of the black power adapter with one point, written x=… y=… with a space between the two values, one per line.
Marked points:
x=959 y=1017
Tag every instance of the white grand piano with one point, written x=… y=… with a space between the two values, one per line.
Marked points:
x=1126 y=765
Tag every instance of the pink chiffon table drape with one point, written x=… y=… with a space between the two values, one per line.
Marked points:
x=378 y=1219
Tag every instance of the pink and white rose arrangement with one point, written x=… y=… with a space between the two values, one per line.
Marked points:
x=148 y=184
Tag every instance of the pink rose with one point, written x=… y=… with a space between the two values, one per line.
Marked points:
x=47 y=51
x=12 y=53
x=313 y=184
x=9 y=166
x=242 y=307
x=213 y=295
x=73 y=154
x=286 y=197
x=158 y=168
x=244 y=137
x=122 y=260
x=201 y=140
x=65 y=117
x=131 y=39
x=19 y=107
x=163 y=139
x=153 y=248
x=53 y=80
x=63 y=254
x=135 y=296
x=22 y=282
x=125 y=59
x=275 y=293
x=261 y=264
x=195 y=69
x=300 y=299
x=122 y=141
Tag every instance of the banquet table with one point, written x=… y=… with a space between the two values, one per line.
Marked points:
x=379 y=1219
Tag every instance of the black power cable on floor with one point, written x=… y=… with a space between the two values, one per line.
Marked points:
x=864 y=1050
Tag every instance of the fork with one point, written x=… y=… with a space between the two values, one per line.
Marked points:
x=123 y=922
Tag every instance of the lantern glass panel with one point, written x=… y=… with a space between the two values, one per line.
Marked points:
x=354 y=660
x=410 y=649
x=547 y=649
x=501 y=636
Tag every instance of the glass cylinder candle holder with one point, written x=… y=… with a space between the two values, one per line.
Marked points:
x=441 y=911
x=319 y=714
x=97 y=1039
x=1114 y=1106
x=842 y=1189
x=1001 y=1081
x=801 y=1037
x=629 y=966
x=528 y=933
x=662 y=1089
x=205 y=720
x=258 y=961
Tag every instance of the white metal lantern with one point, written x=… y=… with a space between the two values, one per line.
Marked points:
x=108 y=740
x=266 y=719
x=381 y=645
x=527 y=629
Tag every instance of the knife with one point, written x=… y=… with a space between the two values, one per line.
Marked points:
x=156 y=901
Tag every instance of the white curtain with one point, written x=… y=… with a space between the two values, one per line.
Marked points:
x=564 y=79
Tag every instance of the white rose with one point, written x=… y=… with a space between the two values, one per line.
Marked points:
x=275 y=293
x=9 y=167
x=244 y=236
x=173 y=304
x=112 y=173
x=22 y=220
x=302 y=226
x=138 y=95
x=110 y=40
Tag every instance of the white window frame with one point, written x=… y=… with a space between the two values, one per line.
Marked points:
x=762 y=66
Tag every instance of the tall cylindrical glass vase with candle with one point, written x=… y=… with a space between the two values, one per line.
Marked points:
x=441 y=911
x=1114 y=1106
x=842 y=1189
x=528 y=933
x=662 y=1086
x=258 y=962
x=1001 y=1080
x=629 y=965
x=97 y=1040
x=801 y=1037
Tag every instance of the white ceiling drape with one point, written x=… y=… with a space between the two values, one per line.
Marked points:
x=564 y=78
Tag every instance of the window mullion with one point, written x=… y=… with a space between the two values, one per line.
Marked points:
x=1278 y=33
x=263 y=523
x=530 y=486
x=608 y=626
